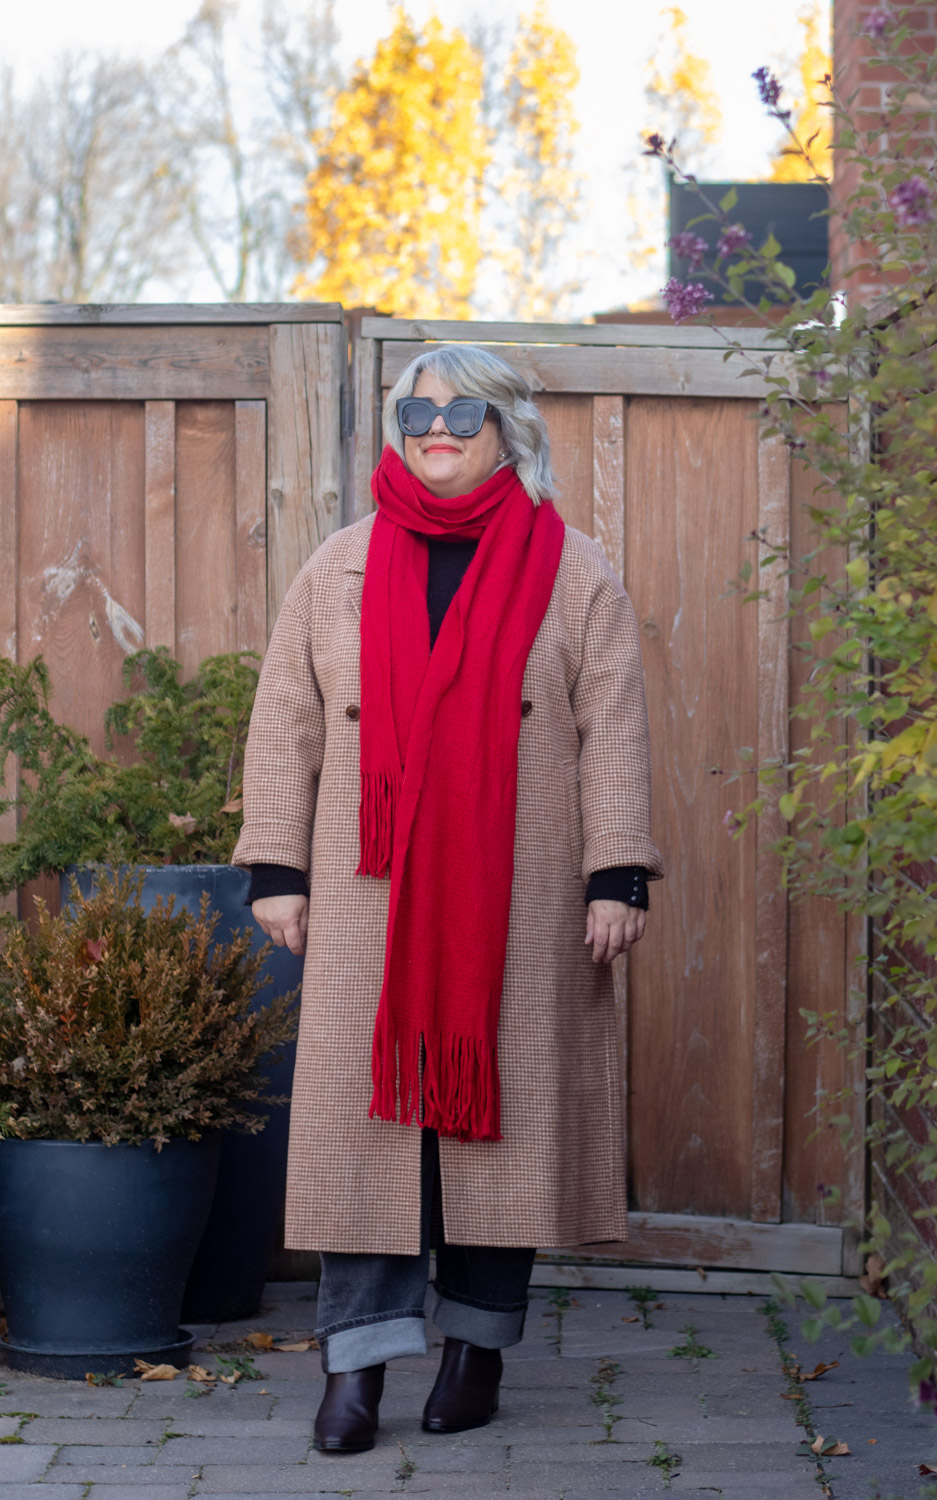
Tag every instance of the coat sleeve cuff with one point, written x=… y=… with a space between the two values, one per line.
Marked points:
x=275 y=880
x=627 y=883
x=274 y=844
x=607 y=848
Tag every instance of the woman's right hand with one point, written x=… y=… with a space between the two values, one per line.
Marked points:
x=284 y=920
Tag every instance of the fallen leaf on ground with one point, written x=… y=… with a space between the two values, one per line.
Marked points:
x=199 y=1373
x=302 y=1347
x=927 y=1468
x=818 y=1370
x=659 y=1304
x=871 y=1440
x=631 y=1320
x=231 y=1379
x=263 y=1391
x=701 y=1272
x=790 y=1396
x=259 y=1340
x=828 y=1447
x=872 y=1282
x=154 y=1372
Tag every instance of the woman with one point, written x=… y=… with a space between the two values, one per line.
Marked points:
x=453 y=697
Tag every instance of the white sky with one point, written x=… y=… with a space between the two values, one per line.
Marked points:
x=613 y=41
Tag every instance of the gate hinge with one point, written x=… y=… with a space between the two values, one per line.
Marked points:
x=347 y=410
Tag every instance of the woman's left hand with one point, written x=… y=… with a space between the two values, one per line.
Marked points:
x=612 y=928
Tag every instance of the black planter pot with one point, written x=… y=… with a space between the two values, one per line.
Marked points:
x=227 y=1277
x=96 y=1243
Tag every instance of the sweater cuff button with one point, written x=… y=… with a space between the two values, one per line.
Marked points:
x=353 y=711
x=526 y=708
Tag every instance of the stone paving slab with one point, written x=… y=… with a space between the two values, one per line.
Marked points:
x=130 y=1492
x=143 y=1481
x=19 y=1462
x=316 y=1479
x=230 y=1426
x=227 y=1450
x=66 y=1398
x=175 y=1404
x=103 y=1431
x=126 y=1457
x=35 y=1492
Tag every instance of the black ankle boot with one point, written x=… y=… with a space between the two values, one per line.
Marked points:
x=466 y=1391
x=346 y=1421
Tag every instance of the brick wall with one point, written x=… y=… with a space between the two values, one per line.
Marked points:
x=855 y=75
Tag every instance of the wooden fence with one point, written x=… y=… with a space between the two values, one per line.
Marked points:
x=164 y=472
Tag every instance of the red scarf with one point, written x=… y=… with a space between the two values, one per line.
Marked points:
x=439 y=740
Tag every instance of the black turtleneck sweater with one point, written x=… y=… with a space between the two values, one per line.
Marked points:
x=447 y=564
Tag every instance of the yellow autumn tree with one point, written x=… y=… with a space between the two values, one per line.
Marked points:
x=680 y=97
x=680 y=102
x=811 y=117
x=540 y=188
x=393 y=205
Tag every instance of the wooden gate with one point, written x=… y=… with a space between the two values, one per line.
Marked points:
x=164 y=473
x=657 y=451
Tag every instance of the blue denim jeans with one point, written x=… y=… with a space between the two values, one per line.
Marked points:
x=371 y=1307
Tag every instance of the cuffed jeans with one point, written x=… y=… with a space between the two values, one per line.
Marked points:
x=371 y=1307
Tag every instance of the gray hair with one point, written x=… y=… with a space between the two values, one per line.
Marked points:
x=473 y=371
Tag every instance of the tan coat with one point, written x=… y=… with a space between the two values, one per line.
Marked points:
x=583 y=804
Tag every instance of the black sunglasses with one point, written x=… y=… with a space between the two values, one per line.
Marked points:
x=463 y=415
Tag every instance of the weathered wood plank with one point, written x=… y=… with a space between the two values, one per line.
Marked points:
x=619 y=371
x=569 y=423
x=367 y=436
x=596 y=335
x=206 y=565
x=141 y=314
x=8 y=552
x=819 y=972
x=82 y=558
x=133 y=364
x=304 y=450
x=160 y=523
x=770 y=897
x=250 y=481
x=608 y=477
x=691 y=977
x=736 y=1244
x=718 y=1283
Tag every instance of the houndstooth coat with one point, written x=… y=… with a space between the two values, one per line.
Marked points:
x=558 y=1175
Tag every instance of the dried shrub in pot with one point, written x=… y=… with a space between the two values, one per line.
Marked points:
x=118 y=1024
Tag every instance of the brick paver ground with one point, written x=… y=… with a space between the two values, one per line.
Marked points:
x=594 y=1404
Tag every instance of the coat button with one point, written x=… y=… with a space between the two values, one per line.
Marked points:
x=353 y=711
x=526 y=708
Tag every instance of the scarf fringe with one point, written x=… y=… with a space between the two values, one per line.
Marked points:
x=461 y=1089
x=376 y=813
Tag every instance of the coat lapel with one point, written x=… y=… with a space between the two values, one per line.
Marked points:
x=358 y=541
